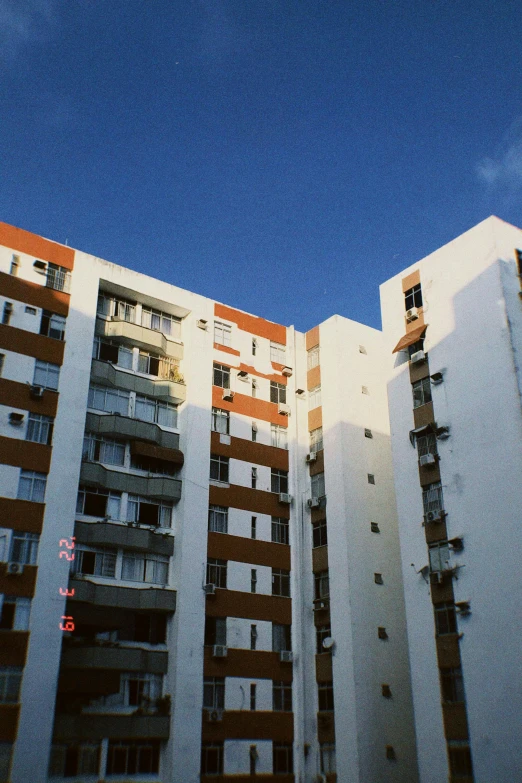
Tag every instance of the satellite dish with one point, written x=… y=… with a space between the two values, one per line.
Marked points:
x=328 y=643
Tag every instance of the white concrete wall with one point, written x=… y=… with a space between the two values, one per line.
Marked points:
x=240 y=524
x=237 y=693
x=26 y=270
x=239 y=574
x=18 y=367
x=23 y=316
x=238 y=633
x=237 y=756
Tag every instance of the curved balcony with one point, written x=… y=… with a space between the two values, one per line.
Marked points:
x=162 y=389
x=110 y=534
x=164 y=487
x=148 y=598
x=132 y=429
x=141 y=336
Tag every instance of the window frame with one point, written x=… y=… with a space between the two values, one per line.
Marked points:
x=219 y=415
x=413 y=297
x=421 y=391
x=220 y=465
x=281 y=582
x=221 y=375
x=217 y=518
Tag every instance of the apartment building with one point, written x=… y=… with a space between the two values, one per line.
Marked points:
x=453 y=328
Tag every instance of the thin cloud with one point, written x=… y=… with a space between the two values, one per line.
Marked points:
x=506 y=167
x=23 y=22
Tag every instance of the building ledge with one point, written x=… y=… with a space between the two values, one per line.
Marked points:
x=165 y=487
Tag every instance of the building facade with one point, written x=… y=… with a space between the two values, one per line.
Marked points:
x=204 y=573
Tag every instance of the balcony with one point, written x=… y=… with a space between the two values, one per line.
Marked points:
x=162 y=388
x=164 y=487
x=145 y=598
x=112 y=656
x=141 y=336
x=96 y=727
x=110 y=534
x=131 y=429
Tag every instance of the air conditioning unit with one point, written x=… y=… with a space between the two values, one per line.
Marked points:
x=287 y=371
x=202 y=324
x=14 y=569
x=285 y=498
x=40 y=266
x=443 y=433
x=283 y=409
x=36 y=392
x=412 y=315
x=434 y=516
x=463 y=608
x=242 y=375
x=320 y=604
x=286 y=656
x=219 y=651
x=228 y=395
x=209 y=589
x=313 y=502
x=418 y=356
x=214 y=716
x=16 y=418
x=437 y=378
x=427 y=459
x=311 y=457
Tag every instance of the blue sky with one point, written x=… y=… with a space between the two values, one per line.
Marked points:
x=282 y=156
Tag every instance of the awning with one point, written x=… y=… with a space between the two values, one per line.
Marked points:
x=144 y=449
x=410 y=338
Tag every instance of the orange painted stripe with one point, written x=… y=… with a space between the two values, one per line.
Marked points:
x=249 y=406
x=30 y=344
x=313 y=377
x=25 y=454
x=315 y=418
x=34 y=294
x=248 y=451
x=282 y=379
x=226 y=349
x=34 y=245
x=312 y=338
x=252 y=324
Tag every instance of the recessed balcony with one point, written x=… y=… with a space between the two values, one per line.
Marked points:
x=135 y=334
x=110 y=534
x=164 y=487
x=161 y=388
x=131 y=429
x=145 y=598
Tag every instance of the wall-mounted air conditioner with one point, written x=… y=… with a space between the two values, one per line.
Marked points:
x=283 y=409
x=434 y=516
x=40 y=266
x=418 y=356
x=202 y=324
x=209 y=589
x=412 y=315
x=214 y=716
x=427 y=460
x=14 y=569
x=311 y=457
x=287 y=371
x=36 y=392
x=286 y=656
x=219 y=651
x=313 y=502
x=228 y=395
x=285 y=498
x=16 y=418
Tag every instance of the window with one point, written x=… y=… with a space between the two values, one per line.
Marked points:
x=30 y=310
x=282 y=758
x=94 y=502
x=279 y=436
x=254 y=478
x=24 y=548
x=253 y=527
x=371 y=478
x=254 y=387
x=31 y=486
x=280 y=530
x=319 y=534
x=312 y=357
x=52 y=325
x=15 y=265
x=445 y=618
x=281 y=638
x=439 y=555
x=368 y=433
x=252 y=695
x=72 y=760
x=253 y=580
x=211 y=758
x=139 y=687
x=14 y=613
x=377 y=578
x=326 y=696
x=220 y=421
x=314 y=397
x=10 y=681
x=102 y=398
x=254 y=432
x=282 y=696
x=413 y=297
x=119 y=309
x=452 y=686
x=46 y=375
x=277 y=392
x=58 y=278
x=432 y=498
x=149 y=363
x=219 y=468
x=460 y=759
x=218 y=519
x=2 y=360
x=6 y=749
x=214 y=693
x=322 y=632
x=277 y=353
x=7 y=313
x=96 y=562
x=254 y=346
x=327 y=753
x=321 y=584
x=149 y=568
x=253 y=756
x=374 y=527
x=386 y=690
x=421 y=392
x=382 y=632
x=215 y=631
x=316 y=439
x=39 y=428
x=362 y=349
x=163 y=413
x=216 y=572
x=427 y=444
x=415 y=347
x=147 y=511
x=253 y=637
x=317 y=481
x=131 y=757
x=105 y=450
x=113 y=352
x=279 y=481
x=222 y=333
x=160 y=322
x=280 y=582
x=365 y=390
x=221 y=376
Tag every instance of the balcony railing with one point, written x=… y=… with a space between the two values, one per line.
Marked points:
x=58 y=278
